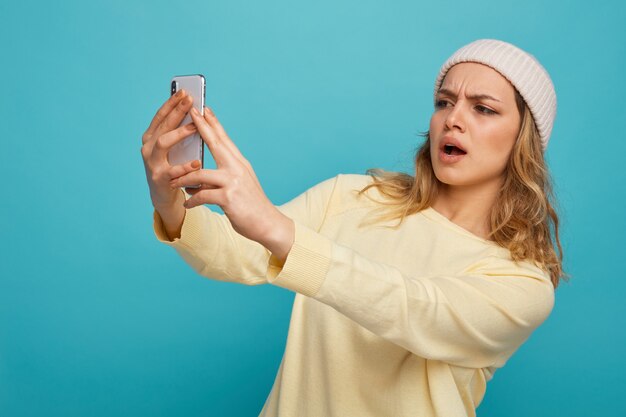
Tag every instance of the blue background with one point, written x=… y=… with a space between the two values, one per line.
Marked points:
x=99 y=319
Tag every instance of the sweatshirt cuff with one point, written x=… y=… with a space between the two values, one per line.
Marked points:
x=190 y=233
x=306 y=265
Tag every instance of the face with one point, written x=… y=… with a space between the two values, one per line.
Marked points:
x=475 y=110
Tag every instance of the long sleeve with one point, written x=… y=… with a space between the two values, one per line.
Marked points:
x=210 y=245
x=476 y=318
x=411 y=320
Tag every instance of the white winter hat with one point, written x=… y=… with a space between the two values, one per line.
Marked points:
x=522 y=69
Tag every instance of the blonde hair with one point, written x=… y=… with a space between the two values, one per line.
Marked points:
x=522 y=219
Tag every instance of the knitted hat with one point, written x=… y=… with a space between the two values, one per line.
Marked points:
x=521 y=69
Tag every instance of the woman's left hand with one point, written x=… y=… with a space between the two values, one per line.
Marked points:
x=235 y=188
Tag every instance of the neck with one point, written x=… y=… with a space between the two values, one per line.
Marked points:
x=467 y=206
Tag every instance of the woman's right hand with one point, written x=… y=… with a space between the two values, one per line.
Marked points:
x=161 y=135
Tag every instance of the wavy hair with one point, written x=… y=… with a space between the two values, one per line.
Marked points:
x=522 y=218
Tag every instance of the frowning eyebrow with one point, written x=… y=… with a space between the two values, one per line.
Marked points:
x=471 y=97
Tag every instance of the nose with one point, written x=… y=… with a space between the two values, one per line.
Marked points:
x=454 y=118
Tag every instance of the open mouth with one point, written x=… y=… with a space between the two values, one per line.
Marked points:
x=453 y=150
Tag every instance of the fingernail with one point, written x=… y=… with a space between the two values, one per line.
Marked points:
x=195 y=164
x=191 y=126
x=179 y=93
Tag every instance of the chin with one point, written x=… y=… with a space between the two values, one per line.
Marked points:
x=452 y=180
x=456 y=178
x=449 y=176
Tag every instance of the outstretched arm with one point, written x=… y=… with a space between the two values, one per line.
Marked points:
x=476 y=318
x=211 y=246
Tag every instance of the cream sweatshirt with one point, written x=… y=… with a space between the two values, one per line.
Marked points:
x=411 y=321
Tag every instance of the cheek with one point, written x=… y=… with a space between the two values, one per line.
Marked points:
x=506 y=145
x=435 y=122
x=433 y=131
x=500 y=140
x=498 y=152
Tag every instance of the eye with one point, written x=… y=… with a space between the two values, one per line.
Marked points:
x=440 y=103
x=485 y=110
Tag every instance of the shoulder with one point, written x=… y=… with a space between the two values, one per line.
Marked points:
x=343 y=185
x=350 y=185
x=500 y=264
x=348 y=181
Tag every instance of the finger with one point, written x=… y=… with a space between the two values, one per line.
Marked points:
x=194 y=190
x=221 y=154
x=163 y=144
x=182 y=169
x=173 y=119
x=204 y=197
x=163 y=111
x=211 y=119
x=225 y=140
x=207 y=178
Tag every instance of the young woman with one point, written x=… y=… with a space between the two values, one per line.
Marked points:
x=410 y=290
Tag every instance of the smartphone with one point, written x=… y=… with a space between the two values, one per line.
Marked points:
x=192 y=147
